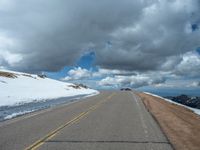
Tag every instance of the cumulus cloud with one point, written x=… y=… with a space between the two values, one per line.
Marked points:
x=53 y=34
x=131 y=81
x=142 y=35
x=78 y=74
x=195 y=84
x=115 y=78
x=112 y=72
x=7 y=56
x=136 y=42
x=158 y=36
x=189 y=66
x=109 y=78
x=179 y=84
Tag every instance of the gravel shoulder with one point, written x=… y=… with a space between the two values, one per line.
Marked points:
x=180 y=125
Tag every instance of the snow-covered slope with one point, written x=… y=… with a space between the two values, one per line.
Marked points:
x=197 y=111
x=17 y=87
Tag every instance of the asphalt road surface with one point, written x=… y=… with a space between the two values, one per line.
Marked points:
x=108 y=121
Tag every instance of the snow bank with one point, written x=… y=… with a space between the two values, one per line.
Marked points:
x=197 y=111
x=25 y=88
x=17 y=114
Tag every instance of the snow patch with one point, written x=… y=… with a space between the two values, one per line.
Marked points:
x=17 y=114
x=26 y=88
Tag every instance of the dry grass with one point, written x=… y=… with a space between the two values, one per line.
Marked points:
x=7 y=74
x=181 y=125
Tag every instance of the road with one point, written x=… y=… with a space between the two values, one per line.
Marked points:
x=108 y=121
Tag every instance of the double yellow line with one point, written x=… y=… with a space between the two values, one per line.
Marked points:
x=53 y=133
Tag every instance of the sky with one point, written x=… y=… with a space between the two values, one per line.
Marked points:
x=149 y=45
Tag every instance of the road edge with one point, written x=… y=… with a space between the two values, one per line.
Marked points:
x=156 y=120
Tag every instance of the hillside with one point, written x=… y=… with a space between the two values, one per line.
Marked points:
x=17 y=88
x=193 y=102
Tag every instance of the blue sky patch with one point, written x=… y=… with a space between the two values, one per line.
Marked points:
x=198 y=50
x=194 y=27
x=86 y=61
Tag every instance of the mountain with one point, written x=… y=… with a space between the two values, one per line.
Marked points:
x=193 y=102
x=18 y=87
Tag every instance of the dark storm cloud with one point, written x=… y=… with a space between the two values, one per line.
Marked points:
x=53 y=34
x=163 y=31
x=143 y=35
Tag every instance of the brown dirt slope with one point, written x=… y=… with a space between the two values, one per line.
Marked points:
x=181 y=125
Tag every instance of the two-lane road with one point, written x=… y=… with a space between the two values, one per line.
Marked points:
x=110 y=120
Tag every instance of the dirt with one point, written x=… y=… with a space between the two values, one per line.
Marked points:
x=181 y=126
x=7 y=74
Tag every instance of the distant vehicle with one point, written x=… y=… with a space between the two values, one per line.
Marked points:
x=126 y=89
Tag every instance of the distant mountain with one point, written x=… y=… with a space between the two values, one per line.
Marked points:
x=193 y=102
x=17 y=88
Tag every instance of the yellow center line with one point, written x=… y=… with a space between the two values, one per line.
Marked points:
x=53 y=133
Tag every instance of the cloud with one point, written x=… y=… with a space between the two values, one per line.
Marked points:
x=77 y=74
x=189 y=66
x=136 y=43
x=111 y=72
x=179 y=84
x=7 y=56
x=122 y=78
x=113 y=78
x=143 y=35
x=53 y=34
x=195 y=84
x=159 y=35
x=131 y=81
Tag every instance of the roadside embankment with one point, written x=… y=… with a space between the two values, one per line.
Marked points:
x=180 y=125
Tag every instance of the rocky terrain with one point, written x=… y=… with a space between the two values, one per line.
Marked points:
x=193 y=102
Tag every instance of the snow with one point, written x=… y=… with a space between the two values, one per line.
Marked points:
x=17 y=114
x=196 y=111
x=28 y=88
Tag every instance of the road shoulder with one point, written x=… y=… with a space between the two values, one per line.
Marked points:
x=179 y=124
